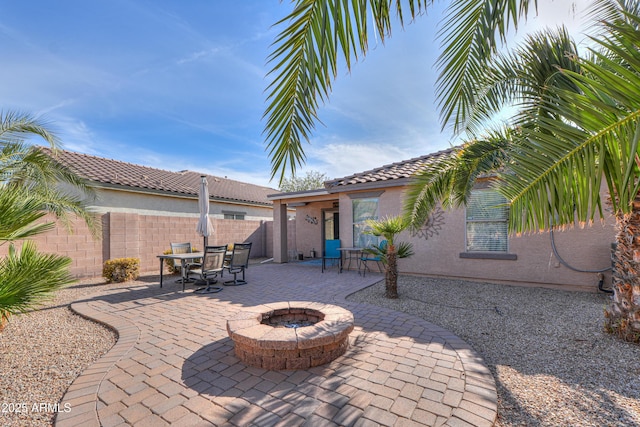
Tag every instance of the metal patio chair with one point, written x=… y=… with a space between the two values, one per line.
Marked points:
x=373 y=256
x=212 y=266
x=184 y=248
x=238 y=263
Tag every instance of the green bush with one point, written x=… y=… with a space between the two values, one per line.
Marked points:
x=171 y=263
x=121 y=269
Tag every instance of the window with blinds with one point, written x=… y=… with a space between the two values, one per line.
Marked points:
x=487 y=222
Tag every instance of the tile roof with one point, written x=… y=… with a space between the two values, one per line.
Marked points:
x=117 y=173
x=388 y=173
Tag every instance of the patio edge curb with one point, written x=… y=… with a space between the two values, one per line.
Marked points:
x=82 y=394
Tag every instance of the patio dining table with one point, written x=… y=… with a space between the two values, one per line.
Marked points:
x=350 y=254
x=183 y=263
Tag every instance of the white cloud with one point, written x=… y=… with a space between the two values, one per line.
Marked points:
x=553 y=13
x=342 y=158
x=203 y=80
x=62 y=104
x=196 y=56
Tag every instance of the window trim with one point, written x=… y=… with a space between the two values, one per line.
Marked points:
x=367 y=195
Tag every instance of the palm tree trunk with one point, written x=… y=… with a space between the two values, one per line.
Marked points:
x=622 y=317
x=391 y=273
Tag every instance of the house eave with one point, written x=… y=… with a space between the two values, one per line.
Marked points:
x=370 y=185
x=297 y=194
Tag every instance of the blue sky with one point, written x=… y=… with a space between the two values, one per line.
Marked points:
x=180 y=85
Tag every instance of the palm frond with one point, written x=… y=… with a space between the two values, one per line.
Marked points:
x=403 y=250
x=557 y=175
x=15 y=126
x=20 y=213
x=317 y=34
x=521 y=78
x=46 y=181
x=388 y=227
x=428 y=188
x=449 y=180
x=471 y=33
x=28 y=277
x=613 y=11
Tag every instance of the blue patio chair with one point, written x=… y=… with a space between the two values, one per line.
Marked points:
x=371 y=257
x=331 y=252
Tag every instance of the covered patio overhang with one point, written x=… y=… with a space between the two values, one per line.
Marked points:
x=284 y=202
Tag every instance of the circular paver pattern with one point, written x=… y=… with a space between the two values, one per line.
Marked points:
x=174 y=363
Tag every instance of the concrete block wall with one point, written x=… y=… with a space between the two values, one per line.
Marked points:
x=142 y=236
x=79 y=245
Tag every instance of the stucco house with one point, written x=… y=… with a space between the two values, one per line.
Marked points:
x=143 y=209
x=132 y=188
x=469 y=243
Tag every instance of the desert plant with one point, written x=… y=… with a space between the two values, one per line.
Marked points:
x=584 y=135
x=577 y=132
x=28 y=277
x=29 y=189
x=389 y=228
x=121 y=269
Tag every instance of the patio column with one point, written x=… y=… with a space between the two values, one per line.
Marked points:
x=280 y=232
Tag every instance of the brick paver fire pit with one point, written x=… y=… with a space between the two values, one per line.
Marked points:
x=290 y=335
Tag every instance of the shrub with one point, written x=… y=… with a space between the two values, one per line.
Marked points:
x=171 y=263
x=121 y=269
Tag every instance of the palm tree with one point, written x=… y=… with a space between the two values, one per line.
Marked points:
x=389 y=228
x=306 y=53
x=585 y=134
x=522 y=79
x=594 y=142
x=29 y=190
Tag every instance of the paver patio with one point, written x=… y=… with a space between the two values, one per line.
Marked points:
x=174 y=364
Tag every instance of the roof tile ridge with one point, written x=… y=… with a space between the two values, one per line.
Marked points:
x=102 y=158
x=389 y=165
x=236 y=181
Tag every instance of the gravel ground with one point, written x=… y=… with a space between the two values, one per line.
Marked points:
x=42 y=352
x=552 y=362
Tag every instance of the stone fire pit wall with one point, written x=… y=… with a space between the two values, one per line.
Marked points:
x=280 y=348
